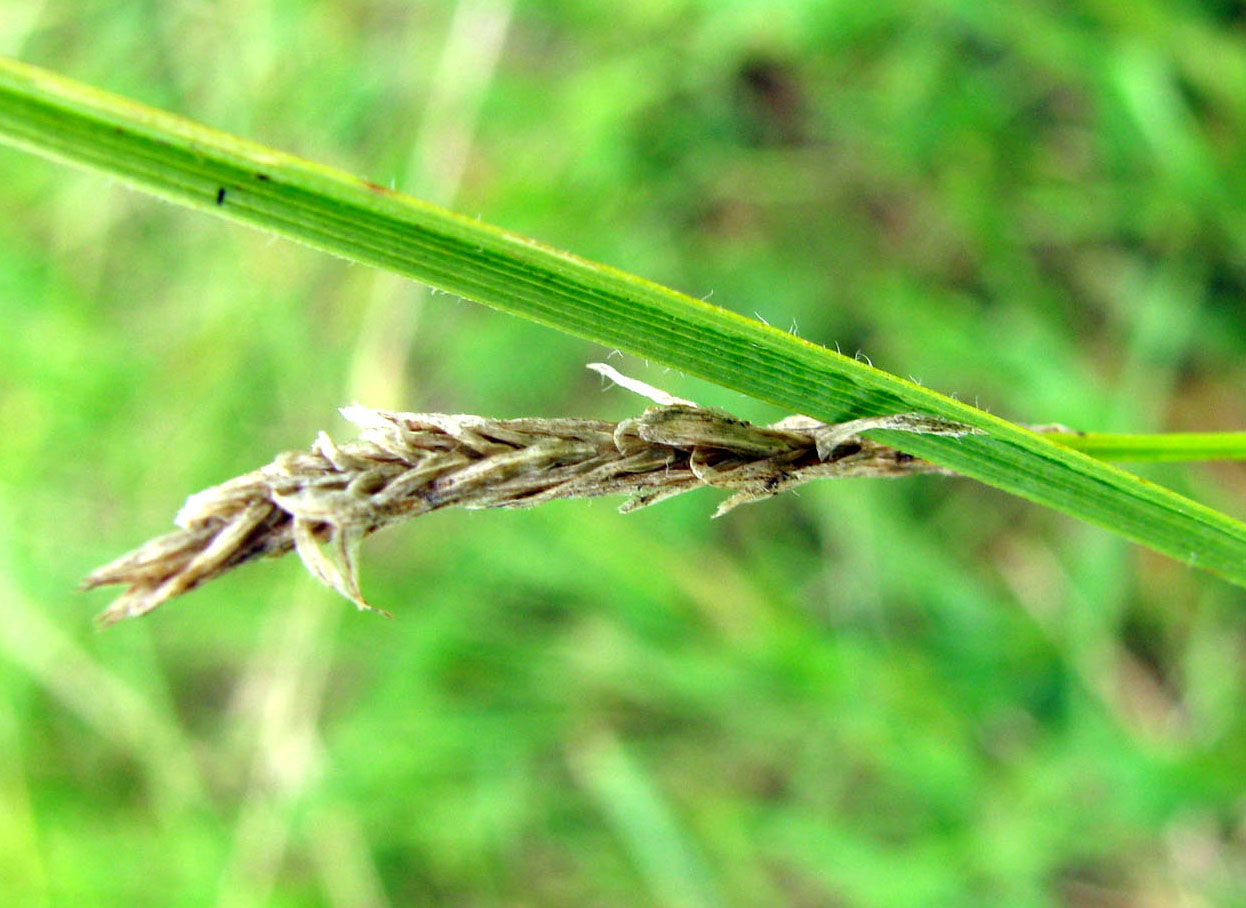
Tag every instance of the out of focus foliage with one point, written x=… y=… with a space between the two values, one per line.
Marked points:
x=908 y=693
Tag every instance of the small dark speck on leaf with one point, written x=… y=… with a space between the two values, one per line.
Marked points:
x=377 y=187
x=220 y=196
x=263 y=177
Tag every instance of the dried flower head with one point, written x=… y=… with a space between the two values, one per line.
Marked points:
x=322 y=502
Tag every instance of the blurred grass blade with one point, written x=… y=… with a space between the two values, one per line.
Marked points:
x=643 y=821
x=358 y=220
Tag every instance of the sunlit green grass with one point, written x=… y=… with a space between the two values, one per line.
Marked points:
x=886 y=694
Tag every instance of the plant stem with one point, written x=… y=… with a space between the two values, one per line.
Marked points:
x=1173 y=447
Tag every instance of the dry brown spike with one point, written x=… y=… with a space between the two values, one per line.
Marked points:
x=323 y=502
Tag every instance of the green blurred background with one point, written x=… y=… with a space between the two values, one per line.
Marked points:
x=875 y=693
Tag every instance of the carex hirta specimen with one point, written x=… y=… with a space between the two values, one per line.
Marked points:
x=321 y=503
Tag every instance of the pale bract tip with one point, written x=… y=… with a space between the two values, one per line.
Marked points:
x=657 y=395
